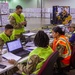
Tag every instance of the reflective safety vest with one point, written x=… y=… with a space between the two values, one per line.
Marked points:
x=74 y=32
x=5 y=38
x=18 y=19
x=42 y=53
x=67 y=52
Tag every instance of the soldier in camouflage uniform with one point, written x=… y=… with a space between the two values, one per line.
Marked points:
x=18 y=21
x=6 y=35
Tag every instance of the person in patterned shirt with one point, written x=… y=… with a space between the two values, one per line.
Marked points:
x=18 y=21
x=6 y=35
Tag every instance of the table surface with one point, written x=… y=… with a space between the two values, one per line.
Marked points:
x=8 y=65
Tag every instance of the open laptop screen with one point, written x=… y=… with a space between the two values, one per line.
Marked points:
x=14 y=45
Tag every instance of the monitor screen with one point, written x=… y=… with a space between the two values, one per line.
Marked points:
x=13 y=45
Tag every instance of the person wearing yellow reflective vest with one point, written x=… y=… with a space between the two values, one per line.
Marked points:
x=61 y=44
x=6 y=35
x=18 y=21
x=37 y=57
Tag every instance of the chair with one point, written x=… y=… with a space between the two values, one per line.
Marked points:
x=47 y=68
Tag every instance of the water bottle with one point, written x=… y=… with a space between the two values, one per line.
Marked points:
x=0 y=55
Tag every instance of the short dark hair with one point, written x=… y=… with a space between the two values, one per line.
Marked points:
x=8 y=26
x=41 y=39
x=19 y=7
x=59 y=30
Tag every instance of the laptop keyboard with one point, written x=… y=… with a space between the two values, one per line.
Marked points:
x=23 y=53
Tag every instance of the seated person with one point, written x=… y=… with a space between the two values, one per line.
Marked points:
x=61 y=44
x=6 y=35
x=37 y=57
x=72 y=29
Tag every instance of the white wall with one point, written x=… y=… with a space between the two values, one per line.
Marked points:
x=50 y=3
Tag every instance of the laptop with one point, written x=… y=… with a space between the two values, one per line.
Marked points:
x=16 y=48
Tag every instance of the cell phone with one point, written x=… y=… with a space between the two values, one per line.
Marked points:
x=2 y=66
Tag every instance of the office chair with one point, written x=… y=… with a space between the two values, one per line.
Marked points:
x=47 y=68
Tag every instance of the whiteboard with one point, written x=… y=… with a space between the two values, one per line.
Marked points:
x=4 y=8
x=5 y=20
x=31 y=10
x=72 y=10
x=36 y=12
x=73 y=15
x=47 y=15
x=4 y=13
x=0 y=23
x=0 y=20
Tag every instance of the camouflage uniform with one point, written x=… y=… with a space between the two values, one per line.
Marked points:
x=1 y=43
x=4 y=38
x=31 y=65
x=16 y=26
x=36 y=59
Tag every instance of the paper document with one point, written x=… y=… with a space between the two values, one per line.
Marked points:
x=47 y=31
x=30 y=48
x=11 y=56
x=30 y=44
x=29 y=34
x=61 y=25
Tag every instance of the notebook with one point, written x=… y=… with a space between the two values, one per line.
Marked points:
x=16 y=48
x=29 y=34
x=10 y=55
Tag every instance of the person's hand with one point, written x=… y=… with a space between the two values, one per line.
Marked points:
x=12 y=61
x=23 y=23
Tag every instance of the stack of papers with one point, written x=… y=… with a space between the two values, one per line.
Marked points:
x=47 y=31
x=9 y=56
x=30 y=44
x=61 y=25
x=30 y=48
x=29 y=34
